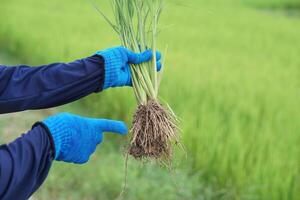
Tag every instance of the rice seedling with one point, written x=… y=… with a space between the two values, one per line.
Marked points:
x=154 y=128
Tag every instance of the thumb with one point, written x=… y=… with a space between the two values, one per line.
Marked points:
x=137 y=58
x=112 y=126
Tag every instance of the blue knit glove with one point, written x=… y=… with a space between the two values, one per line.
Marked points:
x=117 y=61
x=75 y=138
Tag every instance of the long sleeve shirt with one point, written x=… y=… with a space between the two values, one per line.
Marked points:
x=25 y=162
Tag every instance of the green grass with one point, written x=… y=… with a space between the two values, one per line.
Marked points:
x=7 y=58
x=275 y=3
x=232 y=75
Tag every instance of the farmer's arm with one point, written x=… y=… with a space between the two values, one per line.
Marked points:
x=25 y=163
x=26 y=88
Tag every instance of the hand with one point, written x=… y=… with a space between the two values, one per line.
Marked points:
x=117 y=61
x=75 y=138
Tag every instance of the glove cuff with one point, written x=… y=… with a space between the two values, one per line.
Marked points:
x=60 y=134
x=111 y=65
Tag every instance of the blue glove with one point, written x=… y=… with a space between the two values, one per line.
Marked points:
x=75 y=138
x=117 y=61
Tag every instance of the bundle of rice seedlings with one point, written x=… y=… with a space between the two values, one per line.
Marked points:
x=154 y=128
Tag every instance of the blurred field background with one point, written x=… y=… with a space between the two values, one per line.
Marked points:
x=232 y=75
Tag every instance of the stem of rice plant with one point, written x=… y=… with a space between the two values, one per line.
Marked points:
x=136 y=24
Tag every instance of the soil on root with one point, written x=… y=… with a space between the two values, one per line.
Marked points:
x=153 y=131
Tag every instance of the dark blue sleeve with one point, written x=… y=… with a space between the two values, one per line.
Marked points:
x=24 y=164
x=27 y=88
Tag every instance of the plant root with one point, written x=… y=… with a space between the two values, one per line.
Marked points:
x=153 y=132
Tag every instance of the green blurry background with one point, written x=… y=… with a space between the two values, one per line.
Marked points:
x=232 y=75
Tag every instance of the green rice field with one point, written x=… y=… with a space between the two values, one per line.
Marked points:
x=232 y=75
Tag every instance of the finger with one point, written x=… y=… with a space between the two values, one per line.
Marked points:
x=137 y=58
x=158 y=66
x=158 y=55
x=112 y=126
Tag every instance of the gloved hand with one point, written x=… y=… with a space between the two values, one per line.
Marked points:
x=117 y=69
x=75 y=138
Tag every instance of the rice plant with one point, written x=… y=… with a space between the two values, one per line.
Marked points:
x=154 y=125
